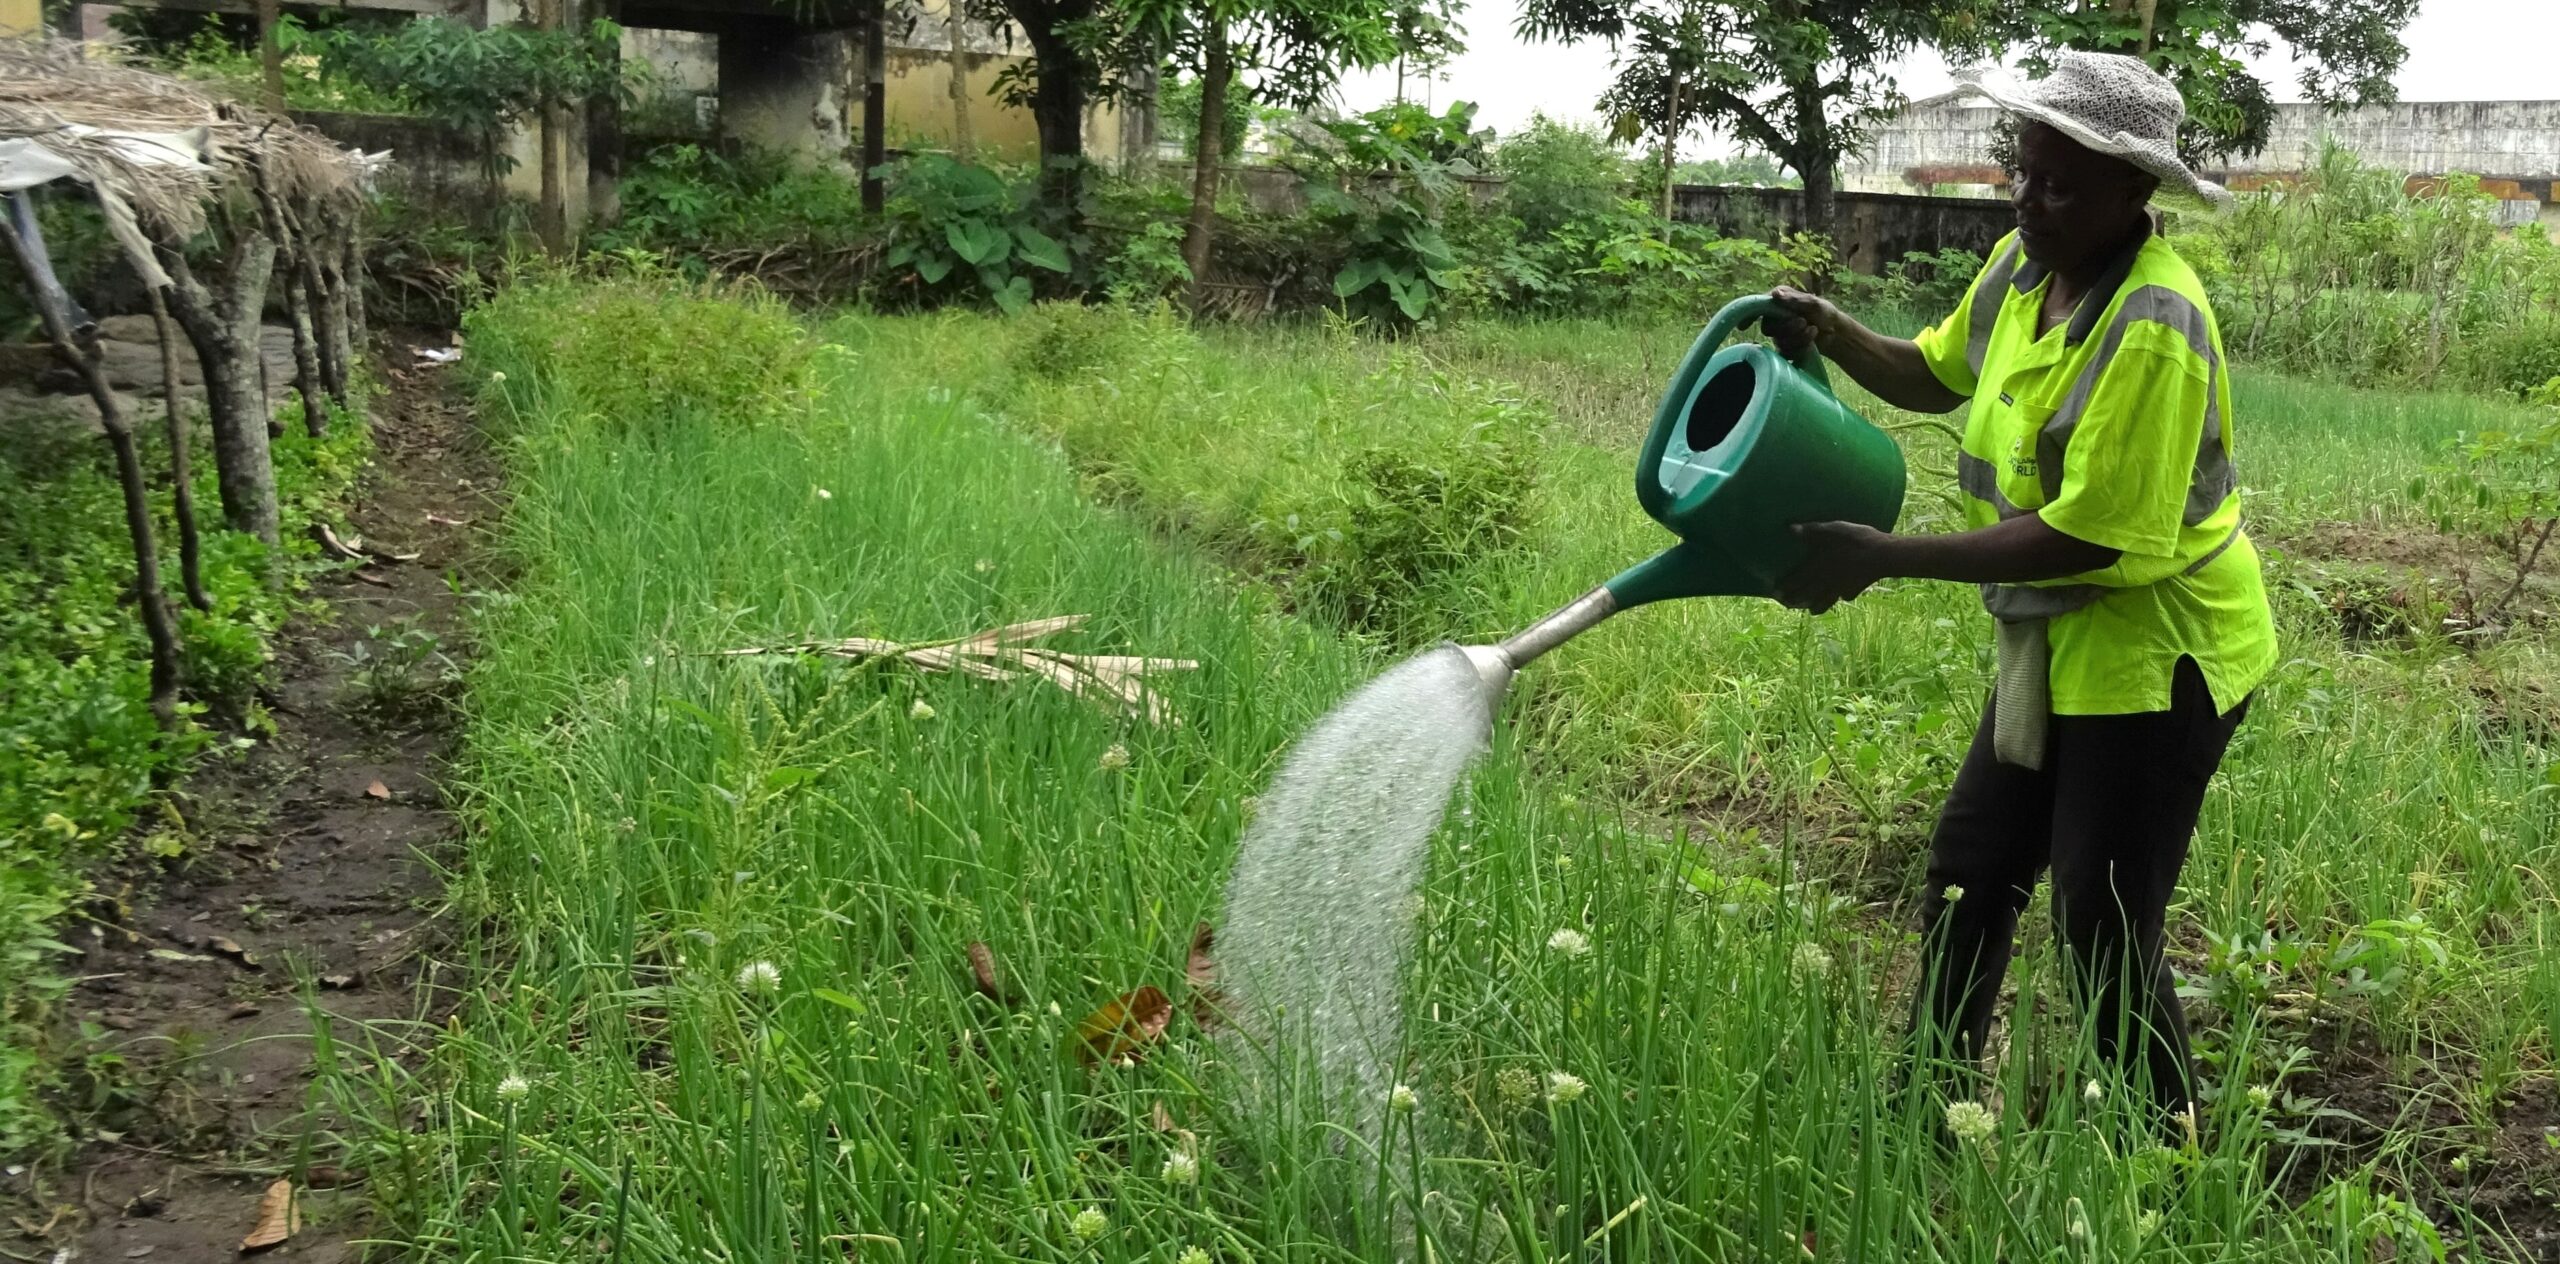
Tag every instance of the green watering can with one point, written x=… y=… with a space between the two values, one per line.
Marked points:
x=1744 y=446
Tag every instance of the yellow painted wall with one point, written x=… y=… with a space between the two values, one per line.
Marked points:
x=21 y=17
x=918 y=106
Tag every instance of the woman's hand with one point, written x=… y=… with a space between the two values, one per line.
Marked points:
x=1842 y=560
x=1804 y=321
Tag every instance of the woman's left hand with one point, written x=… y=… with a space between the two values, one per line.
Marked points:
x=1842 y=559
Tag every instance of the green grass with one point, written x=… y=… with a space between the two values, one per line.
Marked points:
x=650 y=823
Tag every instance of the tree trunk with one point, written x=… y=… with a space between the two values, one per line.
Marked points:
x=1057 y=108
x=1209 y=141
x=182 y=478
x=875 y=106
x=81 y=353
x=551 y=217
x=604 y=132
x=270 y=55
x=222 y=323
x=1670 y=151
x=963 y=146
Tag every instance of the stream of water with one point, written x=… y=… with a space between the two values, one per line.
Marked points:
x=1320 y=912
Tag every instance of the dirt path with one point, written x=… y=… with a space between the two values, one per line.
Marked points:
x=308 y=860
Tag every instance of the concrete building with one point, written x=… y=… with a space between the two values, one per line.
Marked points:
x=786 y=75
x=1941 y=146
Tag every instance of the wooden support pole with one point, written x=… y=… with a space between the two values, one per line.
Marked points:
x=78 y=348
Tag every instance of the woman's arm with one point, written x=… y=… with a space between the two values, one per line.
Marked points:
x=1844 y=558
x=1891 y=368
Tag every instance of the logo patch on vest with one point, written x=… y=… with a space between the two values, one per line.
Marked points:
x=2020 y=464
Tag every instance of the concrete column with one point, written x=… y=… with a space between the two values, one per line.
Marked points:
x=792 y=91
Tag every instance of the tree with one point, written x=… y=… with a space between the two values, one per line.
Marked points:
x=1294 y=50
x=1801 y=79
x=2347 y=51
x=1079 y=52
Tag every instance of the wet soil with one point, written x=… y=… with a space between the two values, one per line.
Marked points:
x=310 y=873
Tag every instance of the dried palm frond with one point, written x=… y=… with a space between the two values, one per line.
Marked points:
x=1005 y=654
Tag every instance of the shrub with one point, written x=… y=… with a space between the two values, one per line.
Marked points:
x=957 y=230
x=1408 y=524
x=1556 y=173
x=721 y=351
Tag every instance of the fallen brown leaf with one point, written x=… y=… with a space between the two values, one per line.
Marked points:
x=231 y=948
x=1124 y=1028
x=331 y=1176
x=278 y=1217
x=1201 y=970
x=442 y=521
x=338 y=980
x=377 y=790
x=982 y=969
x=1161 y=1118
x=373 y=578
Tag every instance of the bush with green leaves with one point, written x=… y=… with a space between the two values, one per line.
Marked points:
x=1555 y=173
x=1380 y=188
x=481 y=80
x=957 y=230
x=687 y=198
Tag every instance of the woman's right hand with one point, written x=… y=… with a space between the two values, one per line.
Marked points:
x=1803 y=321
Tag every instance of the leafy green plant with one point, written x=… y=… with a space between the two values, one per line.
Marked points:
x=1380 y=189
x=481 y=80
x=399 y=671
x=959 y=229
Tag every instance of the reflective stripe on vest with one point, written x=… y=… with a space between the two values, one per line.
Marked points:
x=2211 y=483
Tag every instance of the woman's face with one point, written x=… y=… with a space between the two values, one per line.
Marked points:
x=2072 y=202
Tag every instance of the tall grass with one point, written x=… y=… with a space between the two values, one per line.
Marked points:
x=720 y=1003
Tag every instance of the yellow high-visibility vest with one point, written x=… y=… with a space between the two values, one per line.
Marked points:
x=2115 y=428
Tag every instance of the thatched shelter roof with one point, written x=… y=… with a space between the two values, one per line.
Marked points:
x=159 y=144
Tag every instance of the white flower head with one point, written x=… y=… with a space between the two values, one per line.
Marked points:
x=1192 y=1255
x=1570 y=942
x=1971 y=1122
x=2261 y=1096
x=2093 y=1092
x=824 y=494
x=1564 y=1087
x=1115 y=758
x=1953 y=893
x=920 y=710
x=1089 y=1224
x=1181 y=1168
x=986 y=564
x=760 y=978
x=1402 y=1099
x=1516 y=1086
x=498 y=376
x=1811 y=963
x=2075 y=1220
x=2148 y=1222
x=514 y=1088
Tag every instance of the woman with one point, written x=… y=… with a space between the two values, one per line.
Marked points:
x=2103 y=525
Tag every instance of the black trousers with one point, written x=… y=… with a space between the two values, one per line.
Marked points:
x=2111 y=814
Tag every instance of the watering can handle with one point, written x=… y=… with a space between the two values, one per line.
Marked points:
x=1742 y=311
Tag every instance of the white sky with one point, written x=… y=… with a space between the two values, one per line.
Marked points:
x=2459 y=50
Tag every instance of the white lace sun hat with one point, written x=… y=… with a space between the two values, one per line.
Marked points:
x=2112 y=104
